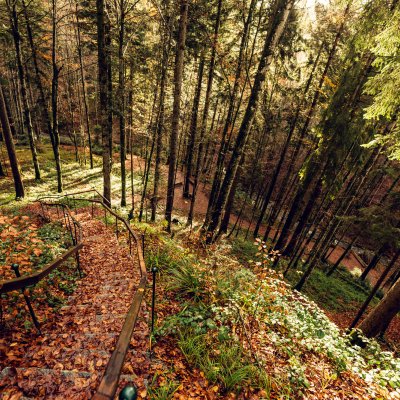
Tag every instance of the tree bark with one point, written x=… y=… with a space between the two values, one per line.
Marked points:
x=54 y=97
x=161 y=108
x=277 y=24
x=178 y=74
x=193 y=128
x=381 y=316
x=104 y=69
x=216 y=183
x=21 y=75
x=121 y=100
x=12 y=156
x=82 y=75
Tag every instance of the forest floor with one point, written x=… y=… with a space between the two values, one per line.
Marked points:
x=194 y=309
x=342 y=315
x=224 y=330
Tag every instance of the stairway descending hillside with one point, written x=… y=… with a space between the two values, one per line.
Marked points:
x=69 y=359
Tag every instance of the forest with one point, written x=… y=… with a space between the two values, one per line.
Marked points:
x=199 y=199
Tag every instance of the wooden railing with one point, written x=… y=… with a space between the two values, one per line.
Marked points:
x=109 y=382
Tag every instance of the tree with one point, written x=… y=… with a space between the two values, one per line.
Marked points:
x=104 y=65
x=166 y=46
x=12 y=155
x=13 y=14
x=279 y=16
x=54 y=97
x=178 y=73
x=380 y=317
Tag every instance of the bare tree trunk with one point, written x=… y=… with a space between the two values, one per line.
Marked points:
x=193 y=128
x=82 y=75
x=27 y=114
x=229 y=118
x=12 y=156
x=380 y=317
x=38 y=81
x=375 y=289
x=205 y=114
x=167 y=29
x=277 y=25
x=178 y=73
x=54 y=97
x=105 y=95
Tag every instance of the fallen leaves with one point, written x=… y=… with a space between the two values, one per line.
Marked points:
x=69 y=359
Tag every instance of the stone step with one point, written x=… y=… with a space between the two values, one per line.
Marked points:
x=70 y=358
x=34 y=383
x=102 y=340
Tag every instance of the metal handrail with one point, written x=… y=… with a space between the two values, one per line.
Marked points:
x=109 y=383
x=32 y=279
x=21 y=282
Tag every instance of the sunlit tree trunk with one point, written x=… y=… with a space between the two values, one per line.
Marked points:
x=121 y=100
x=203 y=127
x=54 y=97
x=11 y=5
x=216 y=183
x=83 y=83
x=166 y=39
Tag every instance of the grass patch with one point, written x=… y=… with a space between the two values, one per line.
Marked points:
x=338 y=292
x=221 y=362
x=244 y=250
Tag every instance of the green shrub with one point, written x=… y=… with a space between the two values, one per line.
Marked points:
x=187 y=280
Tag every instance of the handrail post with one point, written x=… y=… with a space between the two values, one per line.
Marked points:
x=154 y=270
x=78 y=264
x=15 y=268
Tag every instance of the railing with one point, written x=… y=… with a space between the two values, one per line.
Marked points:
x=109 y=383
x=21 y=282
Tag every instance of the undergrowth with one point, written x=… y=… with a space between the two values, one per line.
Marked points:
x=238 y=323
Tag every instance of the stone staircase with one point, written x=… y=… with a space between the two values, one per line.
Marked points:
x=69 y=359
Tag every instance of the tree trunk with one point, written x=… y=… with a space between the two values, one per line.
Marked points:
x=229 y=118
x=178 y=73
x=54 y=97
x=104 y=68
x=26 y=112
x=381 y=316
x=121 y=100
x=12 y=156
x=375 y=289
x=193 y=128
x=203 y=129
x=277 y=24
x=161 y=108
x=342 y=257
x=82 y=75
x=373 y=263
